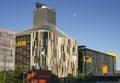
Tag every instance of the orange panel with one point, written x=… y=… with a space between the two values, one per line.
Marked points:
x=42 y=81
x=88 y=59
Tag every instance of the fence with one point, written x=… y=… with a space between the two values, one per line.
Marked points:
x=75 y=80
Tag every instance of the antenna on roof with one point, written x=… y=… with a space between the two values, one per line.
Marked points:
x=40 y=5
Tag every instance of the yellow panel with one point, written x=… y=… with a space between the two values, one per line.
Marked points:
x=18 y=44
x=104 y=69
x=114 y=55
x=23 y=43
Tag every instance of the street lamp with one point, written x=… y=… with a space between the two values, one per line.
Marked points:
x=113 y=68
x=4 y=60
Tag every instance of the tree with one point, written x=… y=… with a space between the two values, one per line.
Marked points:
x=9 y=77
x=12 y=76
x=18 y=74
x=79 y=76
x=70 y=78
x=18 y=71
x=1 y=77
x=90 y=74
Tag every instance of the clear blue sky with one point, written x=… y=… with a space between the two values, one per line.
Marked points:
x=94 y=23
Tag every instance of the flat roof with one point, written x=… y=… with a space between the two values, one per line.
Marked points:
x=109 y=54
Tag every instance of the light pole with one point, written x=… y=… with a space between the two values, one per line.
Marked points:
x=113 y=68
x=4 y=75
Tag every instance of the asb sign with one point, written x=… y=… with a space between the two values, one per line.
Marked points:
x=21 y=43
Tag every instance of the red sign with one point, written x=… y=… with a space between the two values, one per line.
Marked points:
x=39 y=76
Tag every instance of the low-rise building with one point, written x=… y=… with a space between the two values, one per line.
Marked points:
x=117 y=72
x=91 y=62
x=7 y=49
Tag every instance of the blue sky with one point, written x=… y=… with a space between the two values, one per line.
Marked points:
x=94 y=23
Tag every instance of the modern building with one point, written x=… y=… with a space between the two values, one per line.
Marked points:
x=117 y=72
x=7 y=50
x=45 y=47
x=91 y=62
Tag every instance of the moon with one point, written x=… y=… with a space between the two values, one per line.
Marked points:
x=74 y=14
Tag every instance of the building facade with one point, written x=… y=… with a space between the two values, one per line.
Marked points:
x=117 y=72
x=91 y=62
x=7 y=50
x=45 y=47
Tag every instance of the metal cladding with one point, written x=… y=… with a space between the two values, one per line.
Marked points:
x=44 y=16
x=45 y=47
x=95 y=62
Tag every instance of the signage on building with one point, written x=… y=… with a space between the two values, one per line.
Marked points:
x=21 y=43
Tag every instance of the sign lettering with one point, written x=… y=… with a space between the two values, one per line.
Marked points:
x=21 y=43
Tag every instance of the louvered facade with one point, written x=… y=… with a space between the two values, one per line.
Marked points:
x=45 y=47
